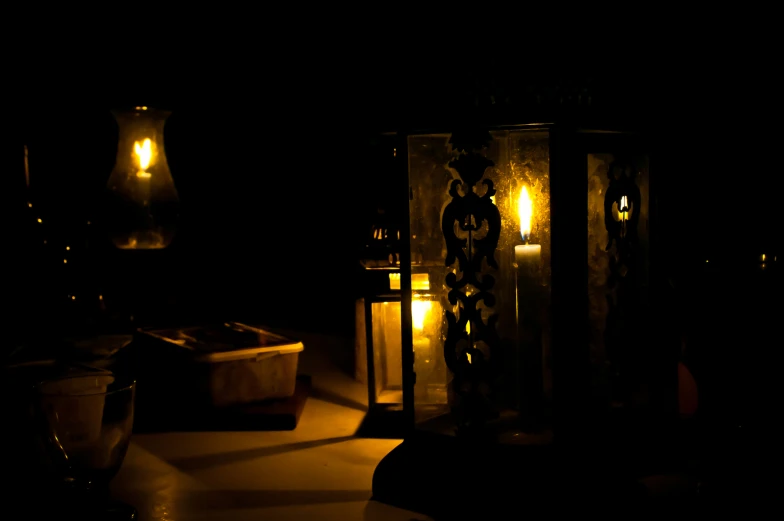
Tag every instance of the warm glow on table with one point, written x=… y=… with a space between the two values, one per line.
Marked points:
x=319 y=471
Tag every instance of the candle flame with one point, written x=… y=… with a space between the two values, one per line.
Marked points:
x=144 y=153
x=624 y=210
x=525 y=210
x=420 y=309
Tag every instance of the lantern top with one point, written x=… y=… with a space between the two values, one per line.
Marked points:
x=505 y=100
x=582 y=127
x=381 y=245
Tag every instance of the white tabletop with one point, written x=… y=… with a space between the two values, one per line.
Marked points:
x=319 y=471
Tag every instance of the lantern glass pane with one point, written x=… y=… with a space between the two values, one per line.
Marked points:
x=497 y=349
x=387 y=363
x=622 y=354
x=430 y=388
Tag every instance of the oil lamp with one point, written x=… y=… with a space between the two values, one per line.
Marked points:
x=143 y=206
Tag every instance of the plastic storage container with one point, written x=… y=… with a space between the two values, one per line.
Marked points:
x=224 y=365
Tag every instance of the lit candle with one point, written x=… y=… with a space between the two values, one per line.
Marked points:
x=622 y=213
x=527 y=256
x=527 y=261
x=420 y=314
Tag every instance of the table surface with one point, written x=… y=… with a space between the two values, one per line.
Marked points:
x=318 y=471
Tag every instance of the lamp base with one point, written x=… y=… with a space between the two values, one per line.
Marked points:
x=446 y=477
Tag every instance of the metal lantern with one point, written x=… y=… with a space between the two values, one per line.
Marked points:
x=536 y=244
x=379 y=345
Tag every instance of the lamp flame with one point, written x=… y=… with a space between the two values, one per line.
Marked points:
x=144 y=153
x=525 y=210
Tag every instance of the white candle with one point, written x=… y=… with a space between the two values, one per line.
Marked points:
x=527 y=259
x=527 y=262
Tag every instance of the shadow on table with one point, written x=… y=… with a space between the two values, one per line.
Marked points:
x=208 y=461
x=337 y=399
x=375 y=511
x=250 y=499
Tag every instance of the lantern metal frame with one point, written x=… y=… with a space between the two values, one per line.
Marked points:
x=380 y=256
x=383 y=419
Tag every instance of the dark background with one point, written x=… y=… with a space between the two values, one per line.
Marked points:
x=276 y=178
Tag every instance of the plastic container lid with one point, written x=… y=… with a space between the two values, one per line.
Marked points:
x=227 y=342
